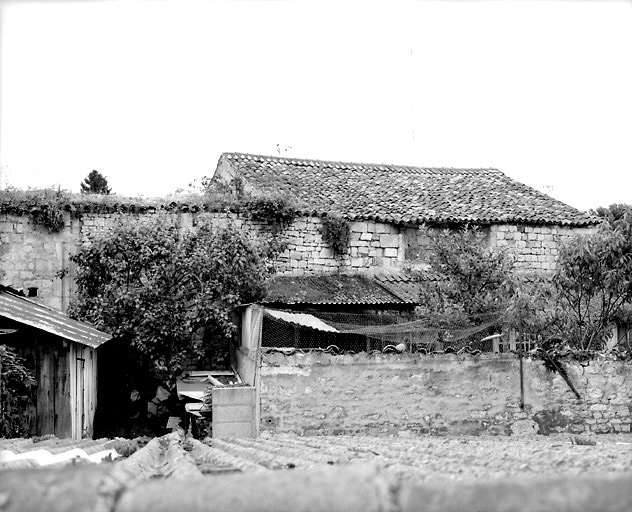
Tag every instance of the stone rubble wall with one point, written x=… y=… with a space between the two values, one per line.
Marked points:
x=31 y=256
x=412 y=394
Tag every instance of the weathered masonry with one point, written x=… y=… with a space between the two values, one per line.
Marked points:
x=409 y=394
x=31 y=257
x=387 y=206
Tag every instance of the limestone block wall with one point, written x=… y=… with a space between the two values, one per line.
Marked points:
x=31 y=256
x=371 y=244
x=410 y=394
x=535 y=246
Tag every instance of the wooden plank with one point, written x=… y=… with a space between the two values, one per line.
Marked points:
x=72 y=356
x=63 y=426
x=46 y=390
x=79 y=364
x=90 y=356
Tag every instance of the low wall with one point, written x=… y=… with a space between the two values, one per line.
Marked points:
x=407 y=394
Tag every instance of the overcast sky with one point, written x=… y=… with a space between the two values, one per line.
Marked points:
x=150 y=93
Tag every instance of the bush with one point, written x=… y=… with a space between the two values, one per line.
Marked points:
x=336 y=232
x=16 y=385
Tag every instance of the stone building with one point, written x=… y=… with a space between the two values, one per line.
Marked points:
x=388 y=204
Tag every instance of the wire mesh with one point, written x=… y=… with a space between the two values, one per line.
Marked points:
x=367 y=332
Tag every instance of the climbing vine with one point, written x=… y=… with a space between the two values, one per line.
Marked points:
x=336 y=232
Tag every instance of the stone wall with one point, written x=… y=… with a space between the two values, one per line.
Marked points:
x=535 y=246
x=411 y=394
x=30 y=256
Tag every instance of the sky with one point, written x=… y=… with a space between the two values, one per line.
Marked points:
x=151 y=92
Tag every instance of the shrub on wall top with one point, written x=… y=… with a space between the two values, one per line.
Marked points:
x=336 y=232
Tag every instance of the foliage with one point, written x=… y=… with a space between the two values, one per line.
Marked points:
x=45 y=206
x=147 y=283
x=95 y=183
x=336 y=232
x=16 y=383
x=534 y=310
x=594 y=282
x=278 y=209
x=470 y=282
x=612 y=213
x=575 y=308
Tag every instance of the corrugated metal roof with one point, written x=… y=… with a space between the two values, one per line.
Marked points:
x=304 y=319
x=329 y=289
x=47 y=319
x=405 y=286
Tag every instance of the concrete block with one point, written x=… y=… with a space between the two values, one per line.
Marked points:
x=233 y=396
x=233 y=413
x=241 y=429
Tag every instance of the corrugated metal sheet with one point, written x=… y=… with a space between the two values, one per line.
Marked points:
x=301 y=319
x=340 y=289
x=47 y=319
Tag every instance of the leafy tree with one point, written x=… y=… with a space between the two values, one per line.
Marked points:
x=95 y=183
x=612 y=213
x=16 y=383
x=594 y=282
x=468 y=282
x=157 y=288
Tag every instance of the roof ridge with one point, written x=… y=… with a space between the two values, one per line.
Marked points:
x=358 y=164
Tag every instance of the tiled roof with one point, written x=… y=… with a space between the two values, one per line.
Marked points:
x=402 y=194
x=329 y=289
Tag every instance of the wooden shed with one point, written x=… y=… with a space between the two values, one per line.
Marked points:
x=62 y=353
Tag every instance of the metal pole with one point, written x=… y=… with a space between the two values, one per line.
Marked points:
x=521 y=381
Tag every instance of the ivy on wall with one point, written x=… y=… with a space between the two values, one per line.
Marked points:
x=45 y=206
x=336 y=232
x=277 y=209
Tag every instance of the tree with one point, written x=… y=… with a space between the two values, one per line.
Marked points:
x=594 y=282
x=95 y=183
x=468 y=283
x=159 y=289
x=612 y=213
